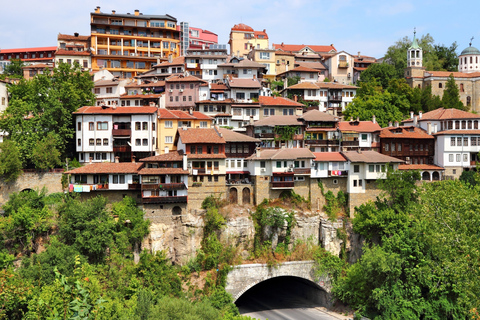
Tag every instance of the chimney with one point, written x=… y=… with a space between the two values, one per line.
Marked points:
x=184 y=163
x=76 y=34
x=358 y=119
x=90 y=160
x=415 y=121
x=429 y=127
x=420 y=113
x=411 y=114
x=390 y=123
x=158 y=60
x=137 y=12
x=251 y=120
x=113 y=11
x=133 y=159
x=374 y=120
x=285 y=83
x=97 y=9
x=170 y=58
x=257 y=152
x=166 y=150
x=295 y=98
x=254 y=77
x=117 y=159
x=190 y=111
x=434 y=128
x=396 y=124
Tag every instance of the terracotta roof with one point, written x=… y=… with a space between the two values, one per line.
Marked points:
x=260 y=33
x=226 y=101
x=405 y=132
x=38 y=66
x=117 y=110
x=298 y=47
x=206 y=156
x=101 y=82
x=244 y=83
x=304 y=85
x=446 y=114
x=329 y=156
x=334 y=85
x=64 y=52
x=278 y=101
x=218 y=86
x=107 y=168
x=69 y=37
x=244 y=63
x=419 y=167
x=181 y=78
x=141 y=96
x=146 y=85
x=359 y=69
x=368 y=157
x=200 y=135
x=175 y=62
x=311 y=65
x=178 y=114
x=446 y=74
x=316 y=115
x=273 y=121
x=29 y=49
x=242 y=27
x=457 y=132
x=282 y=154
x=155 y=171
x=171 y=156
x=299 y=69
x=232 y=136
x=359 y=126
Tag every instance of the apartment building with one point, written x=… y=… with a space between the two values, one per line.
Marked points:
x=195 y=38
x=243 y=38
x=128 y=44
x=73 y=49
x=45 y=55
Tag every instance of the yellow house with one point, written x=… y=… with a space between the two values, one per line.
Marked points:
x=265 y=57
x=243 y=39
x=170 y=120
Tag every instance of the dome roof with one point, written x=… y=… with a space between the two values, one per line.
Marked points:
x=242 y=27
x=470 y=50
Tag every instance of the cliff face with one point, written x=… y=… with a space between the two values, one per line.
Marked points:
x=180 y=236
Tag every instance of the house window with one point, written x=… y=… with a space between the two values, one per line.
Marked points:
x=203 y=124
x=144 y=125
x=440 y=85
x=145 y=142
x=386 y=146
x=459 y=141
x=102 y=125
x=262 y=164
x=79 y=125
x=168 y=124
x=91 y=142
x=199 y=149
x=79 y=142
x=137 y=125
x=457 y=157
x=109 y=90
x=364 y=136
x=168 y=139
x=279 y=164
x=215 y=149
x=450 y=157
x=371 y=168
x=91 y=126
x=465 y=157
x=465 y=141
x=105 y=142
x=355 y=182
x=240 y=95
x=356 y=168
x=138 y=142
x=452 y=141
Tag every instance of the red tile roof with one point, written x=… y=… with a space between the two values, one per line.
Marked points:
x=459 y=132
x=64 y=52
x=369 y=157
x=273 y=121
x=175 y=62
x=178 y=114
x=117 y=110
x=232 y=136
x=446 y=74
x=171 y=156
x=242 y=27
x=277 y=101
x=405 y=132
x=218 y=86
x=107 y=168
x=260 y=33
x=206 y=156
x=200 y=135
x=321 y=85
x=156 y=171
x=244 y=83
x=282 y=154
x=316 y=115
x=146 y=85
x=69 y=37
x=446 y=114
x=311 y=65
x=143 y=96
x=298 y=47
x=359 y=126
x=419 y=167
x=182 y=78
x=29 y=50
x=329 y=156
x=299 y=69
x=38 y=66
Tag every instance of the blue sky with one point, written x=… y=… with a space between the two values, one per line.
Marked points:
x=368 y=26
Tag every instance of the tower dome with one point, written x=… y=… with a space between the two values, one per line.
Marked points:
x=415 y=53
x=470 y=50
x=469 y=59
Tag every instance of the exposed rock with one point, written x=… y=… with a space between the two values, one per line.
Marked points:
x=329 y=237
x=239 y=232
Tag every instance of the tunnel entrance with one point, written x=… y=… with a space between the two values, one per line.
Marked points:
x=285 y=292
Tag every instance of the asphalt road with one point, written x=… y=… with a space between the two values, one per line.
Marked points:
x=282 y=299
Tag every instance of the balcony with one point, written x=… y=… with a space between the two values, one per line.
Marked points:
x=164 y=186
x=164 y=200
x=349 y=143
x=121 y=132
x=282 y=184
x=122 y=149
x=302 y=171
x=134 y=186
x=343 y=64
x=323 y=143
x=335 y=98
x=335 y=173
x=199 y=170
x=270 y=135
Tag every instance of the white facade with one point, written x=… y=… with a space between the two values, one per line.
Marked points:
x=325 y=169
x=3 y=96
x=457 y=150
x=107 y=182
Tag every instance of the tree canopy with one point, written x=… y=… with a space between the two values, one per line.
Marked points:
x=43 y=106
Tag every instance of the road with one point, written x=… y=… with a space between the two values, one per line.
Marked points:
x=283 y=299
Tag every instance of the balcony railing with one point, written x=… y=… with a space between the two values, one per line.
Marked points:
x=135 y=186
x=122 y=149
x=282 y=184
x=162 y=200
x=349 y=143
x=343 y=64
x=122 y=132
x=199 y=170
x=334 y=173
x=270 y=135
x=323 y=142
x=302 y=170
x=164 y=186
x=335 y=98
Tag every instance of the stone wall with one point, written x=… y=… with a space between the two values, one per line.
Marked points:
x=196 y=194
x=52 y=181
x=357 y=199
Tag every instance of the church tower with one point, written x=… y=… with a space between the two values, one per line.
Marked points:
x=414 y=72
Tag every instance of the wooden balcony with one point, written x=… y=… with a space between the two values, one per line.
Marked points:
x=343 y=64
x=164 y=186
x=323 y=143
x=337 y=173
x=335 y=98
x=122 y=149
x=304 y=171
x=121 y=132
x=350 y=143
x=199 y=170
x=282 y=184
x=135 y=186
x=270 y=135
x=163 y=200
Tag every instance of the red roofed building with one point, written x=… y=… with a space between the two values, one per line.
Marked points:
x=301 y=48
x=73 y=49
x=271 y=106
x=243 y=38
x=182 y=92
x=359 y=135
x=195 y=38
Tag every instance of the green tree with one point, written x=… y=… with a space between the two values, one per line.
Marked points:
x=451 y=96
x=45 y=155
x=447 y=56
x=10 y=161
x=45 y=105
x=293 y=80
x=383 y=72
x=14 y=69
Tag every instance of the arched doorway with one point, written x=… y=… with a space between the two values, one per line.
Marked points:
x=436 y=176
x=233 y=198
x=176 y=211
x=246 y=195
x=426 y=176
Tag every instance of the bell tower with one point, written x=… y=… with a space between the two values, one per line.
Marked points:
x=414 y=72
